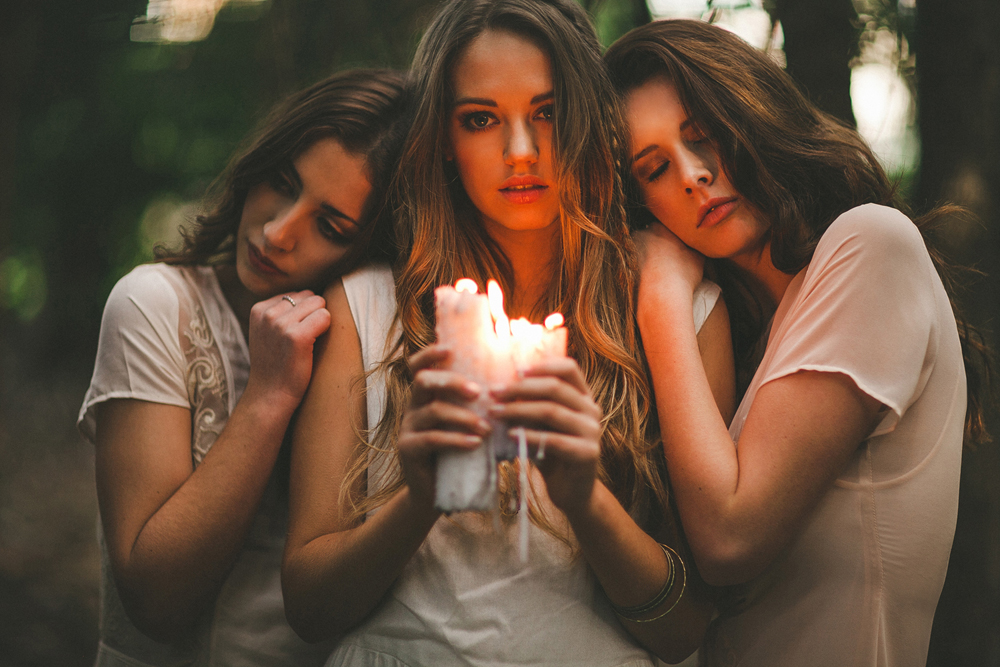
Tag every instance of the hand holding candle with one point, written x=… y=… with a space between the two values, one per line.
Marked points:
x=488 y=349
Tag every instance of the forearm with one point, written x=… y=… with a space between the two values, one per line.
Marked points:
x=632 y=568
x=183 y=552
x=333 y=581
x=702 y=459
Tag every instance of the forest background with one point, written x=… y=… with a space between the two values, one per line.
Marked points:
x=107 y=144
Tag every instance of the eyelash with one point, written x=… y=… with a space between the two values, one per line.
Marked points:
x=327 y=229
x=283 y=185
x=467 y=119
x=656 y=173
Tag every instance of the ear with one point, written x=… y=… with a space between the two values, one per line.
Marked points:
x=449 y=152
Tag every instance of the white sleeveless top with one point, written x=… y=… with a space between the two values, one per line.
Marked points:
x=465 y=598
x=859 y=585
x=169 y=336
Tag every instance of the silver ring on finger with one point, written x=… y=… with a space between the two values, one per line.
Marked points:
x=540 y=454
x=288 y=299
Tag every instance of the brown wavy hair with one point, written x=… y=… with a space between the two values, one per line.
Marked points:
x=596 y=279
x=364 y=109
x=799 y=167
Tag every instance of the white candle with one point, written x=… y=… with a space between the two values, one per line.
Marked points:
x=489 y=350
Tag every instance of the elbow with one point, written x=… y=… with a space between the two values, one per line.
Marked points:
x=309 y=624
x=160 y=618
x=313 y=623
x=677 y=653
x=314 y=612
x=728 y=562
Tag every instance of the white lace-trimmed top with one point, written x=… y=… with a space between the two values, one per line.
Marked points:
x=169 y=336
x=465 y=598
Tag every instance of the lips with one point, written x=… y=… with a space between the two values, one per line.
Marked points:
x=260 y=263
x=716 y=210
x=523 y=189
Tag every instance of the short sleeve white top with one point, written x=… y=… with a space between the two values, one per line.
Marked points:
x=169 y=336
x=465 y=598
x=860 y=583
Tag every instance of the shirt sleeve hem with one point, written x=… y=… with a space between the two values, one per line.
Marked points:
x=86 y=421
x=886 y=425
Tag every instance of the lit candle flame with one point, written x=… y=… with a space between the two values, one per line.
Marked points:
x=554 y=321
x=495 y=295
x=466 y=285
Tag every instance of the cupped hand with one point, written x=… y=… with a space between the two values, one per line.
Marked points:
x=282 y=336
x=435 y=419
x=665 y=260
x=552 y=401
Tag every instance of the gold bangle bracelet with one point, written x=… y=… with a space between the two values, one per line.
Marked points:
x=684 y=580
x=630 y=612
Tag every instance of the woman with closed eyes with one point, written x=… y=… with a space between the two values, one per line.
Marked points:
x=828 y=505
x=203 y=357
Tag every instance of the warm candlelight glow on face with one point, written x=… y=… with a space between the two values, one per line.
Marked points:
x=467 y=285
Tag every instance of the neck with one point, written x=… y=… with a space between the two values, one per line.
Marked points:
x=532 y=257
x=240 y=299
x=774 y=280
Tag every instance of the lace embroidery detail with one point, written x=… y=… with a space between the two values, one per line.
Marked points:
x=207 y=389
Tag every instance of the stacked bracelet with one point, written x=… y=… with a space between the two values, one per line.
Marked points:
x=631 y=613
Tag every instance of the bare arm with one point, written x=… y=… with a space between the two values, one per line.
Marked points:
x=173 y=531
x=741 y=508
x=334 y=572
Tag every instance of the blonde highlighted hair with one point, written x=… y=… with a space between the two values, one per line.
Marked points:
x=594 y=284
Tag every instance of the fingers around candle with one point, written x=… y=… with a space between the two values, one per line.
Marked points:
x=549 y=445
x=448 y=416
x=428 y=357
x=425 y=443
x=565 y=368
x=430 y=384
x=548 y=415
x=548 y=388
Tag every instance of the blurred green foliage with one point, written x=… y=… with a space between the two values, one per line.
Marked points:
x=117 y=139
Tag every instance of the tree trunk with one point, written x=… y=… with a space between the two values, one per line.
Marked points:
x=958 y=78
x=820 y=41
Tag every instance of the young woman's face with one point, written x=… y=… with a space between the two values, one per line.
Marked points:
x=294 y=229
x=500 y=131
x=682 y=181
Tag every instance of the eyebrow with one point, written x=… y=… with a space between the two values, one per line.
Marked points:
x=293 y=173
x=652 y=147
x=337 y=213
x=486 y=102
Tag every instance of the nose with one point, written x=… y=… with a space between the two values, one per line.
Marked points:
x=696 y=173
x=281 y=232
x=522 y=147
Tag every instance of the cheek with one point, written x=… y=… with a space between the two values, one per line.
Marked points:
x=259 y=206
x=470 y=159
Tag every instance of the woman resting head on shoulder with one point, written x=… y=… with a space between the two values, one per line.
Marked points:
x=850 y=431
x=202 y=359
x=509 y=172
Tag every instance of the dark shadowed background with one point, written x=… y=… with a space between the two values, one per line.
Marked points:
x=107 y=144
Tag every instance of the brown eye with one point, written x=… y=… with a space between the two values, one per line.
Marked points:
x=478 y=120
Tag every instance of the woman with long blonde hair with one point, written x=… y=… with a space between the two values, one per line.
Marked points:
x=510 y=172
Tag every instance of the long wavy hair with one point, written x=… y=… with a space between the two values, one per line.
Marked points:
x=594 y=285
x=797 y=166
x=363 y=109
